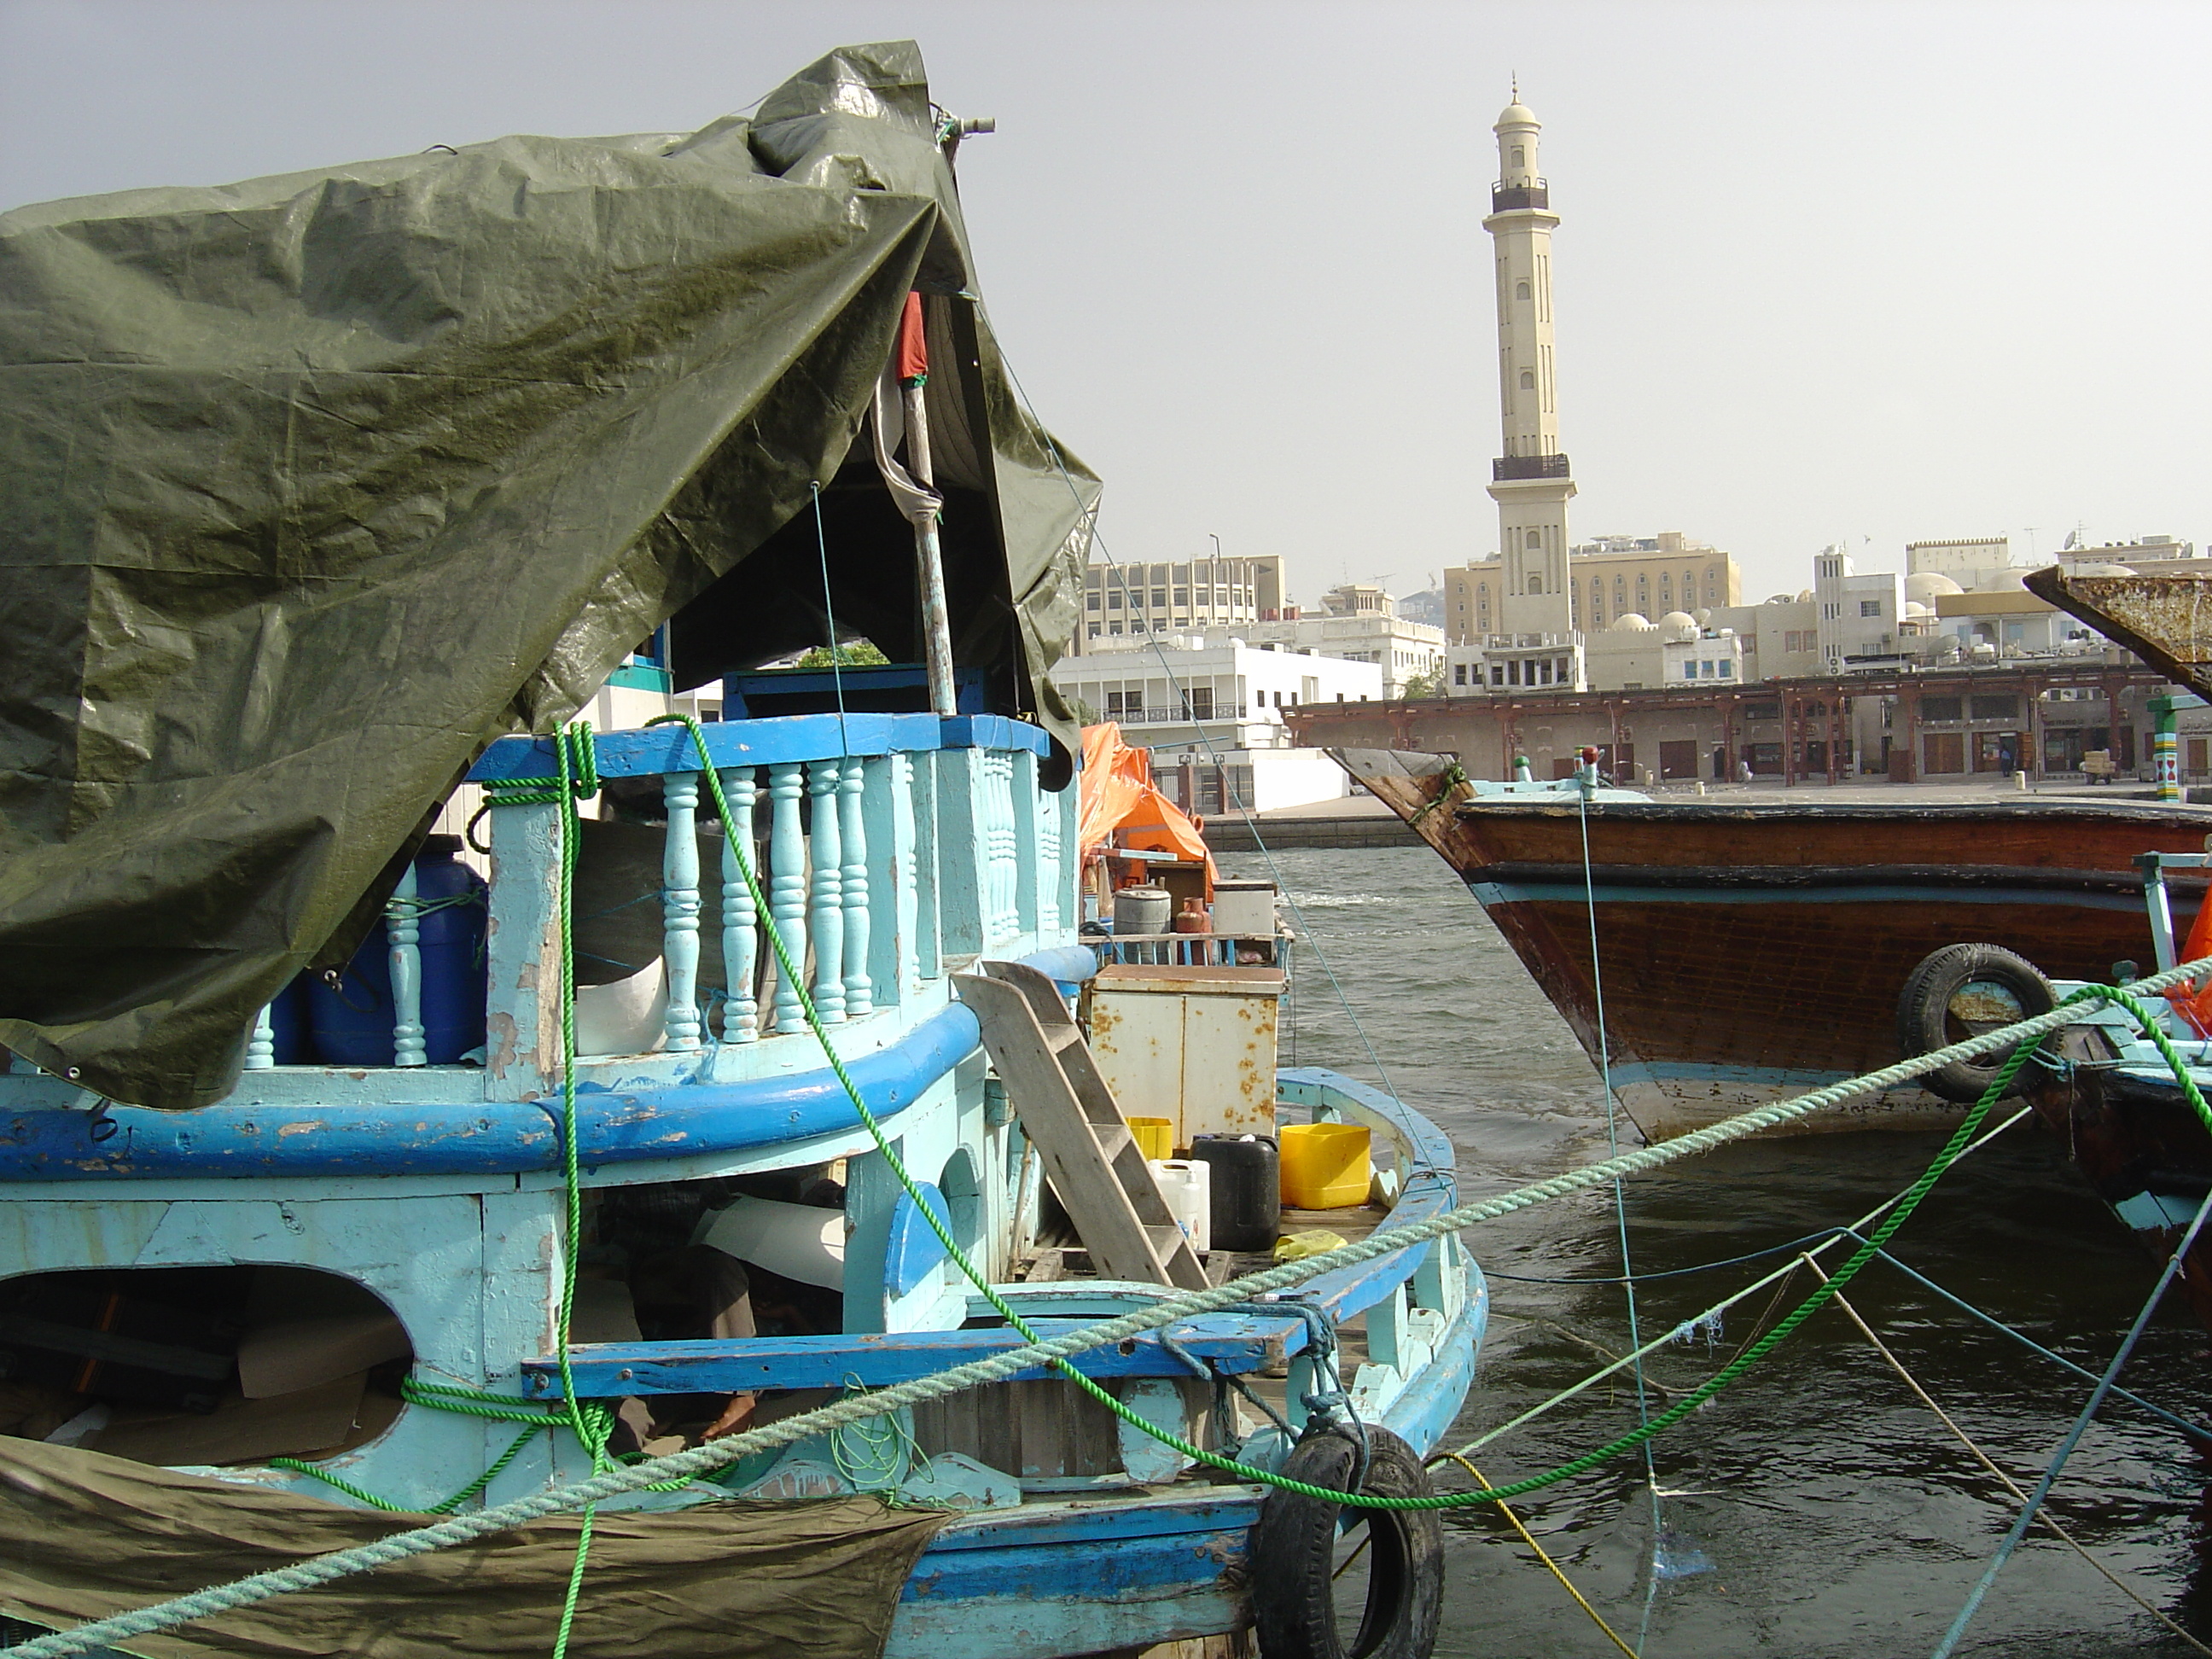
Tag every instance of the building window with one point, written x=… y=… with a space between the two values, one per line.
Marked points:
x=1520 y=290
x=1090 y=600
x=1182 y=598
x=1535 y=584
x=1458 y=677
x=1094 y=630
x=1689 y=671
x=1114 y=603
x=1536 y=542
x=1159 y=598
x=1527 y=379
x=1728 y=669
x=1520 y=156
x=1870 y=607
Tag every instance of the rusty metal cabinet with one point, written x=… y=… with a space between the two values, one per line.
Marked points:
x=1194 y=1045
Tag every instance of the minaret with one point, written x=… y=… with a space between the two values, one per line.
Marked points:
x=1529 y=482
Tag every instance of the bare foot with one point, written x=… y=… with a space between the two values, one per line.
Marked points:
x=736 y=1418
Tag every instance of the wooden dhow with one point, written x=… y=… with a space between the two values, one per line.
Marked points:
x=1750 y=952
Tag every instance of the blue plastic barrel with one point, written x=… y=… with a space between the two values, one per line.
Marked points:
x=353 y=1021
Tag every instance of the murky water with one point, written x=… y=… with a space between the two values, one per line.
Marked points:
x=1816 y=1508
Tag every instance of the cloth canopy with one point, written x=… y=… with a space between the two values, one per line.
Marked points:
x=318 y=483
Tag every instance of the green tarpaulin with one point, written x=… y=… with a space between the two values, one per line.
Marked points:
x=316 y=484
x=84 y=1536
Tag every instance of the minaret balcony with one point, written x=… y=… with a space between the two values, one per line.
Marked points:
x=1507 y=467
x=1503 y=198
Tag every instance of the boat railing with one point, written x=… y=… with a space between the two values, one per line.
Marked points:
x=1194 y=950
x=891 y=850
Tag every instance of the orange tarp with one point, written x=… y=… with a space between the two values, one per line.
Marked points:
x=2194 y=1006
x=1122 y=806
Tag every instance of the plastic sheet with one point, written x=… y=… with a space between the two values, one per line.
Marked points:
x=318 y=483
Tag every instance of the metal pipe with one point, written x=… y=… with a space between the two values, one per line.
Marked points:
x=929 y=559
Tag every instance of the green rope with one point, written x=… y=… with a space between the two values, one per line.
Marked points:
x=454 y=1530
x=1637 y=1436
x=446 y=1507
x=1449 y=779
x=580 y=776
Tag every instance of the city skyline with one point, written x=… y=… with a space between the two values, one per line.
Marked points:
x=1859 y=275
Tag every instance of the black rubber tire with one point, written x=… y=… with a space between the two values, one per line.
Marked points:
x=1293 y=1545
x=1937 y=1008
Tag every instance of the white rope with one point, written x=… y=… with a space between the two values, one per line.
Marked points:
x=714 y=1454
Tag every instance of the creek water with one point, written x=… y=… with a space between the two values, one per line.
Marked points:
x=1816 y=1507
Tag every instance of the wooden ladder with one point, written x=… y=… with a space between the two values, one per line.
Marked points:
x=1071 y=1118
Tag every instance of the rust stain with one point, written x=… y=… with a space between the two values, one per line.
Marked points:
x=304 y=1126
x=499 y=1051
x=2165 y=620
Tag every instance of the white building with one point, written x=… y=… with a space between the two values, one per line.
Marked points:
x=1136 y=601
x=1212 y=713
x=1859 y=615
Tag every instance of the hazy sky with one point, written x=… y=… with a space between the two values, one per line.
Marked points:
x=1826 y=271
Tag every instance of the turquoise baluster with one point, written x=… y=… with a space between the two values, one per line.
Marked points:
x=740 y=927
x=1067 y=875
x=679 y=899
x=827 y=920
x=1047 y=808
x=1030 y=809
x=1005 y=857
x=787 y=886
x=261 y=1047
x=403 y=926
x=888 y=804
x=853 y=894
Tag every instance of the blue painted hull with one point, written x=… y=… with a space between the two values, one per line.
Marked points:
x=1050 y=1580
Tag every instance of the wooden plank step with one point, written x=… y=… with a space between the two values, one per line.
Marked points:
x=1082 y=1139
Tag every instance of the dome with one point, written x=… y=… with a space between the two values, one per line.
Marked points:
x=1678 y=619
x=1517 y=114
x=2100 y=570
x=1914 y=608
x=1928 y=586
x=1804 y=596
x=1630 y=622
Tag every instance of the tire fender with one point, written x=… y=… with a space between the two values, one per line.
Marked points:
x=1294 y=1544
x=1958 y=991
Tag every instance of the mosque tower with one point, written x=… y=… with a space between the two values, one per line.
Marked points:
x=1529 y=481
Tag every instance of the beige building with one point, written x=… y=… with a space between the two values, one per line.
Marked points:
x=1126 y=602
x=1968 y=560
x=1647 y=576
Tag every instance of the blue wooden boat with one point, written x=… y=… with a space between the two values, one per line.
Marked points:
x=561 y=1165
x=436 y=1191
